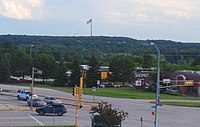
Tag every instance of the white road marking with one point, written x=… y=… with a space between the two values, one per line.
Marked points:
x=36 y=120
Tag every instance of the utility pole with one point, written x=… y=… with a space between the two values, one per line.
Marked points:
x=157 y=84
x=31 y=48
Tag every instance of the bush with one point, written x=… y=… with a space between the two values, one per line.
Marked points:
x=109 y=116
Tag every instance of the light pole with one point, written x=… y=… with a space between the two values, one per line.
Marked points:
x=31 y=50
x=157 y=83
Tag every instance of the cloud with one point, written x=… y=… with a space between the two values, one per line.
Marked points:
x=35 y=3
x=174 y=8
x=20 y=9
x=150 y=11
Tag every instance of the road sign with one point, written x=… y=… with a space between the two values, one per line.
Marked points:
x=93 y=89
x=138 y=83
x=98 y=82
x=153 y=106
x=153 y=68
x=166 y=80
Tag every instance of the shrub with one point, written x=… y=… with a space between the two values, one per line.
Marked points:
x=108 y=115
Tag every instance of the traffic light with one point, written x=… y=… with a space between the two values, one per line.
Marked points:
x=81 y=82
x=74 y=91
x=80 y=93
x=154 y=113
x=81 y=105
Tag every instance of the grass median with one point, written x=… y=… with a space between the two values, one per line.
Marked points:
x=122 y=92
x=184 y=104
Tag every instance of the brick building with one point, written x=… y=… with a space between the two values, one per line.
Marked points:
x=194 y=89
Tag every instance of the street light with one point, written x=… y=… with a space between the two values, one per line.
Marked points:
x=157 y=83
x=31 y=50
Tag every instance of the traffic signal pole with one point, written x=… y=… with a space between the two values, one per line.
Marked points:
x=78 y=94
x=31 y=89
x=76 y=91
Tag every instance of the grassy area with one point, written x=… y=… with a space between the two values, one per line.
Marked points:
x=185 y=104
x=125 y=92
x=129 y=92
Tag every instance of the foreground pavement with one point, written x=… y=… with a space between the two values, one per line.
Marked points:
x=169 y=116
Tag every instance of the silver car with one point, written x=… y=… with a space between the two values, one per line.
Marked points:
x=52 y=100
x=37 y=102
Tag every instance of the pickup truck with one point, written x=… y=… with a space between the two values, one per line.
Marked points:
x=24 y=94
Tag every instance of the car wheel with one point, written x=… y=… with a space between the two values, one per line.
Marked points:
x=27 y=98
x=36 y=105
x=41 y=112
x=60 y=113
x=18 y=98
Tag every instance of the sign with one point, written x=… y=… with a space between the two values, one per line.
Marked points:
x=153 y=106
x=138 y=83
x=104 y=75
x=166 y=80
x=140 y=75
x=98 y=82
x=93 y=89
x=37 y=71
x=188 y=83
x=153 y=68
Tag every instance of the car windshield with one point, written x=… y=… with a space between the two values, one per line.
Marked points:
x=52 y=98
x=27 y=92
x=37 y=100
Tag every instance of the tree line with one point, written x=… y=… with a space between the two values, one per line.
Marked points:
x=57 y=55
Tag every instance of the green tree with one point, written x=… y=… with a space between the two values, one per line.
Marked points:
x=196 y=61
x=92 y=74
x=20 y=63
x=149 y=61
x=47 y=64
x=61 y=77
x=122 y=68
x=75 y=76
x=4 y=68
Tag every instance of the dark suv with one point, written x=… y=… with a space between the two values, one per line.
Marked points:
x=59 y=109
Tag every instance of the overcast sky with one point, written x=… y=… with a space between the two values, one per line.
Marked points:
x=177 y=20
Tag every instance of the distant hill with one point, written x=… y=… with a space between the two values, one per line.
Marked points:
x=106 y=44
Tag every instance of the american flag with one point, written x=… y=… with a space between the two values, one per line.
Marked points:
x=89 y=21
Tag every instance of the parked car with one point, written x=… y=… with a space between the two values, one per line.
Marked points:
x=52 y=100
x=36 y=102
x=24 y=94
x=59 y=109
x=172 y=90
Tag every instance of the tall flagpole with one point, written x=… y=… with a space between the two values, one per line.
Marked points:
x=90 y=22
x=91 y=29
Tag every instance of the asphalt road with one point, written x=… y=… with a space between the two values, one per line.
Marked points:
x=169 y=116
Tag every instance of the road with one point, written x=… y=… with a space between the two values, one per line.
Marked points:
x=169 y=116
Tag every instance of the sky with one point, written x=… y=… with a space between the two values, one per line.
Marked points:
x=177 y=20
